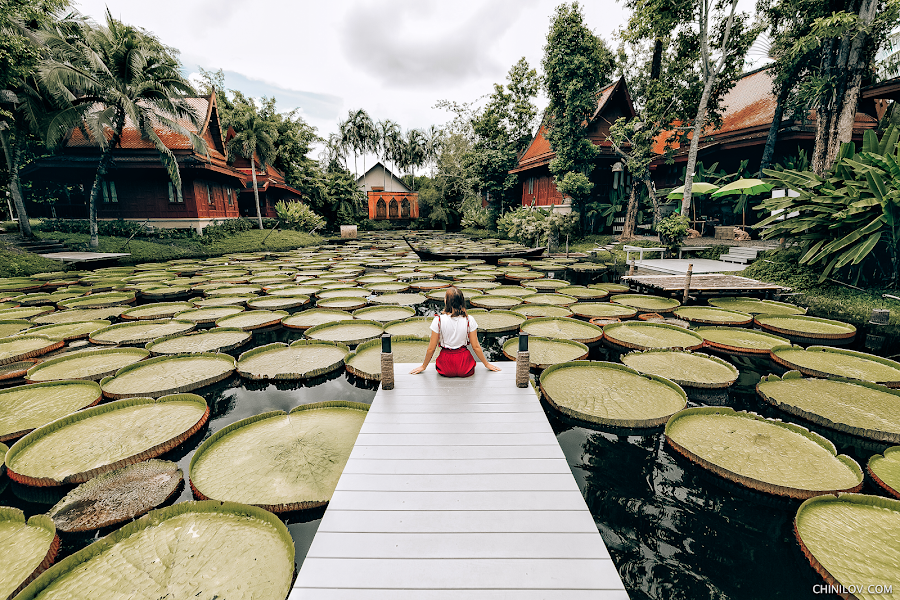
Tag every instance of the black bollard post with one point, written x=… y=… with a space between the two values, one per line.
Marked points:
x=387 y=363
x=523 y=362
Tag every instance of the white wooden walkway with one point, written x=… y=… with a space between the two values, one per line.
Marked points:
x=457 y=489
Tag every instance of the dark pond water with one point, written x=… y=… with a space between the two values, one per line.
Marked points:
x=673 y=530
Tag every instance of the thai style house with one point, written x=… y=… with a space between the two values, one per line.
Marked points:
x=388 y=197
x=138 y=188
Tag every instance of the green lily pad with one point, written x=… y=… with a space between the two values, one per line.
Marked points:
x=203 y=549
x=217 y=339
x=304 y=359
x=25 y=312
x=415 y=326
x=494 y=321
x=709 y=315
x=684 y=368
x=78 y=314
x=542 y=310
x=766 y=455
x=583 y=293
x=278 y=302
x=84 y=444
x=233 y=290
x=164 y=375
x=851 y=540
x=135 y=333
x=294 y=291
x=209 y=314
x=739 y=341
x=166 y=291
x=87 y=364
x=27 y=407
x=401 y=299
x=385 y=314
x=278 y=461
x=885 y=470
x=10 y=327
x=159 y=310
x=517 y=291
x=548 y=285
x=22 y=347
x=344 y=292
x=253 y=319
x=117 y=496
x=430 y=284
x=224 y=301
x=801 y=328
x=641 y=335
x=645 y=303
x=821 y=361
x=491 y=301
x=440 y=295
x=551 y=299
x=68 y=331
x=611 y=394
x=755 y=306
x=315 y=316
x=28 y=548
x=365 y=361
x=342 y=303
x=346 y=332
x=594 y=310
x=862 y=409
x=388 y=287
x=562 y=328
x=543 y=352
x=101 y=300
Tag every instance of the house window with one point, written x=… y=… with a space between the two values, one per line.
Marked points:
x=175 y=194
x=404 y=209
x=531 y=185
x=392 y=210
x=228 y=191
x=209 y=196
x=380 y=209
x=109 y=191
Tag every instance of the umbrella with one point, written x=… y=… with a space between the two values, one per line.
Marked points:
x=744 y=187
x=698 y=187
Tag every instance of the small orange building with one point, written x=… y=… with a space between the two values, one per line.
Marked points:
x=389 y=198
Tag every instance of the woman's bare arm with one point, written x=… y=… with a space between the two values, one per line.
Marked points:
x=473 y=339
x=432 y=346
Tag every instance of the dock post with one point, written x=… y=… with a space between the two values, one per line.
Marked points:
x=687 y=283
x=387 y=363
x=523 y=362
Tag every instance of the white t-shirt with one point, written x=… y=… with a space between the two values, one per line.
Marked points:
x=453 y=330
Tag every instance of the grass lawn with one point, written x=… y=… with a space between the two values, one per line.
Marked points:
x=16 y=263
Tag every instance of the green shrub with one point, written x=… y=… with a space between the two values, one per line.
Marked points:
x=298 y=216
x=532 y=225
x=118 y=228
x=673 y=229
x=373 y=225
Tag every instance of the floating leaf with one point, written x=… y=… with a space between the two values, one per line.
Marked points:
x=217 y=339
x=543 y=352
x=89 y=364
x=135 y=333
x=28 y=407
x=821 y=361
x=563 y=328
x=885 y=470
x=640 y=335
x=315 y=316
x=755 y=306
x=304 y=359
x=365 y=361
x=346 y=332
x=739 y=341
x=28 y=548
x=691 y=369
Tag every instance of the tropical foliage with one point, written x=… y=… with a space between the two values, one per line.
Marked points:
x=535 y=226
x=297 y=215
x=848 y=221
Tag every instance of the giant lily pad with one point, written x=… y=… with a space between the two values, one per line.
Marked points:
x=860 y=408
x=28 y=548
x=543 y=352
x=385 y=314
x=13 y=326
x=495 y=321
x=87 y=443
x=416 y=326
x=491 y=301
x=803 y=329
x=739 y=341
x=28 y=407
x=117 y=496
x=165 y=375
x=885 y=470
x=645 y=303
x=684 y=368
x=281 y=462
x=135 y=333
x=101 y=300
x=551 y=299
x=159 y=310
x=217 y=339
x=594 y=310
x=315 y=316
x=193 y=549
x=583 y=293
x=16 y=369
x=87 y=364
x=344 y=292
x=762 y=454
x=78 y=314
x=517 y=291
x=253 y=319
x=365 y=361
x=401 y=299
x=208 y=314
x=755 y=306
x=22 y=347
x=344 y=303
x=641 y=335
x=563 y=328
x=851 y=541
x=224 y=301
x=346 y=332
x=278 y=302
x=69 y=331
x=531 y=311
x=821 y=361
x=548 y=285
x=303 y=359
x=611 y=394
x=25 y=312
x=709 y=315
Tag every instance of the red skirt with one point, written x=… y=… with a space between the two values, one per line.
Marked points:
x=457 y=362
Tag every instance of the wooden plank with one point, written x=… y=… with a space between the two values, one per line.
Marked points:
x=457 y=488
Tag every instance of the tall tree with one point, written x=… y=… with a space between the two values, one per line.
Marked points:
x=118 y=75
x=254 y=140
x=576 y=65
x=389 y=144
x=413 y=153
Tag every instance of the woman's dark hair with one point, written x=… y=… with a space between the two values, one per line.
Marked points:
x=455 y=303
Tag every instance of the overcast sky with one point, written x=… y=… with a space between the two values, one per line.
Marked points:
x=394 y=58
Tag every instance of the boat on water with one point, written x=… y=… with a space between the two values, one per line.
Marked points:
x=487 y=256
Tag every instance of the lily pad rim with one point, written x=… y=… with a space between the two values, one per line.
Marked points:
x=693 y=384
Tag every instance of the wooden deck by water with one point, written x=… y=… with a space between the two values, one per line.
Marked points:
x=457 y=488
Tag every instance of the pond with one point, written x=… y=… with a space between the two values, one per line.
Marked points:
x=673 y=530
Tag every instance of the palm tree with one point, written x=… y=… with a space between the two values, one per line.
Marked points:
x=255 y=140
x=414 y=151
x=349 y=133
x=434 y=139
x=366 y=133
x=109 y=77
x=389 y=136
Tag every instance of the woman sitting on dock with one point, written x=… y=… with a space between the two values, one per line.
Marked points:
x=454 y=329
